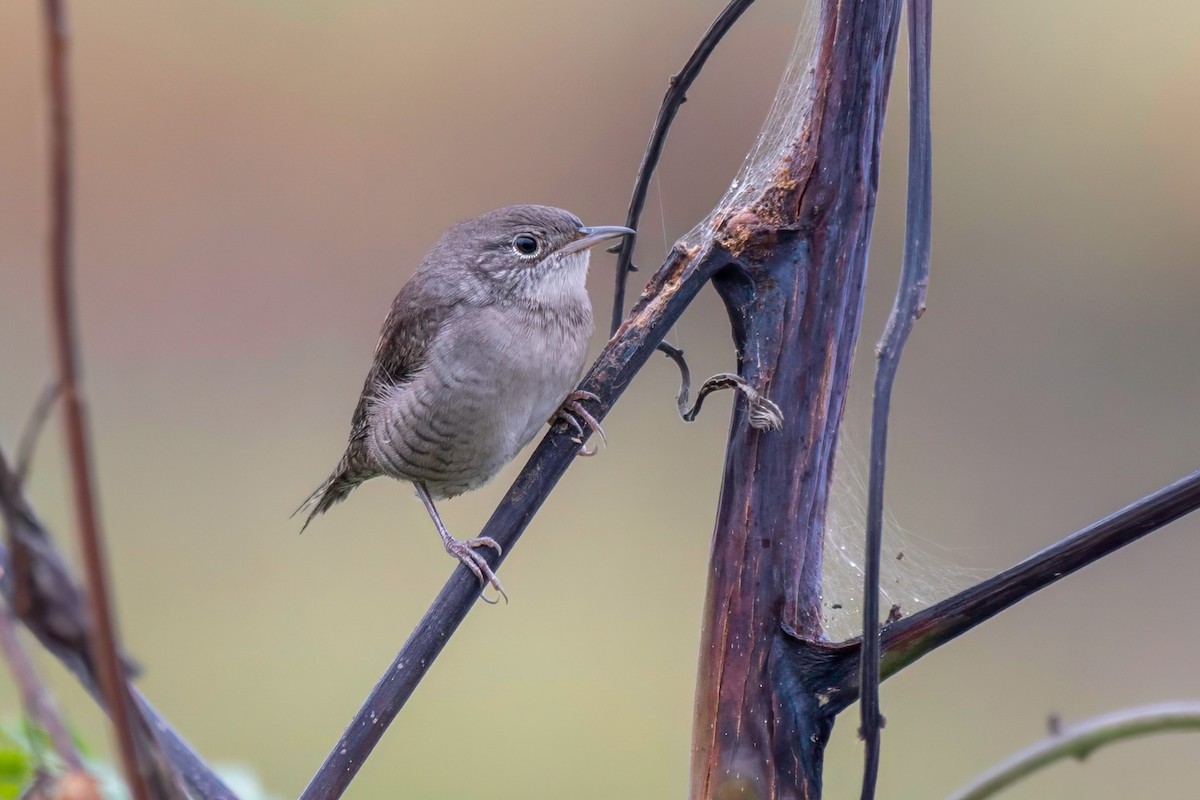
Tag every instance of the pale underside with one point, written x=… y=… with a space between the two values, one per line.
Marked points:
x=493 y=377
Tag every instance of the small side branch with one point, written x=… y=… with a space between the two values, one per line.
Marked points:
x=908 y=307
x=1080 y=741
x=675 y=97
x=33 y=430
x=91 y=537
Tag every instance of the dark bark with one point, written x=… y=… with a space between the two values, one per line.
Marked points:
x=794 y=297
x=790 y=267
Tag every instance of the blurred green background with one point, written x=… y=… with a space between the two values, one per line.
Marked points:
x=257 y=179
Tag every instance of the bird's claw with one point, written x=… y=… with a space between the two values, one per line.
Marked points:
x=464 y=551
x=572 y=411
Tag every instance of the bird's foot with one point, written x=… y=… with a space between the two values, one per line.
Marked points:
x=464 y=551
x=572 y=411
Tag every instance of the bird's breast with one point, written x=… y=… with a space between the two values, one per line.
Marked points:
x=493 y=377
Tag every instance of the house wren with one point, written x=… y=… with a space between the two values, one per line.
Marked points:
x=482 y=347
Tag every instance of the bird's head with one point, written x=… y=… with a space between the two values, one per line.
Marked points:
x=529 y=252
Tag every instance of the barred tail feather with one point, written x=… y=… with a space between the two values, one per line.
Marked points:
x=332 y=491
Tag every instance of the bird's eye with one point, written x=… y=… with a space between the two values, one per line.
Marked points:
x=525 y=244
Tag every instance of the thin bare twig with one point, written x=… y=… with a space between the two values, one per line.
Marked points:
x=908 y=307
x=675 y=97
x=66 y=352
x=39 y=707
x=1080 y=741
x=33 y=430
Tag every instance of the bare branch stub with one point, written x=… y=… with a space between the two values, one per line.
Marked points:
x=764 y=413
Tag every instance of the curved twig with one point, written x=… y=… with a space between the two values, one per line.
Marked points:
x=1080 y=741
x=103 y=638
x=908 y=307
x=675 y=97
x=763 y=412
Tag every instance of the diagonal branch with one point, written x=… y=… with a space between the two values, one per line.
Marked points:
x=907 y=308
x=831 y=670
x=54 y=610
x=912 y=637
x=675 y=97
x=674 y=286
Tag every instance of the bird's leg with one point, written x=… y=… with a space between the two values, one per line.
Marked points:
x=464 y=550
x=571 y=411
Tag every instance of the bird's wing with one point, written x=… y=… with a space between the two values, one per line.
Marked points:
x=401 y=351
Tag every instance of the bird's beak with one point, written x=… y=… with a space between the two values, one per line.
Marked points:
x=589 y=237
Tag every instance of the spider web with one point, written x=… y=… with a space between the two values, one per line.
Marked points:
x=914 y=571
x=778 y=133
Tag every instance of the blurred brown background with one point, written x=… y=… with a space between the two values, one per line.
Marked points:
x=256 y=180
